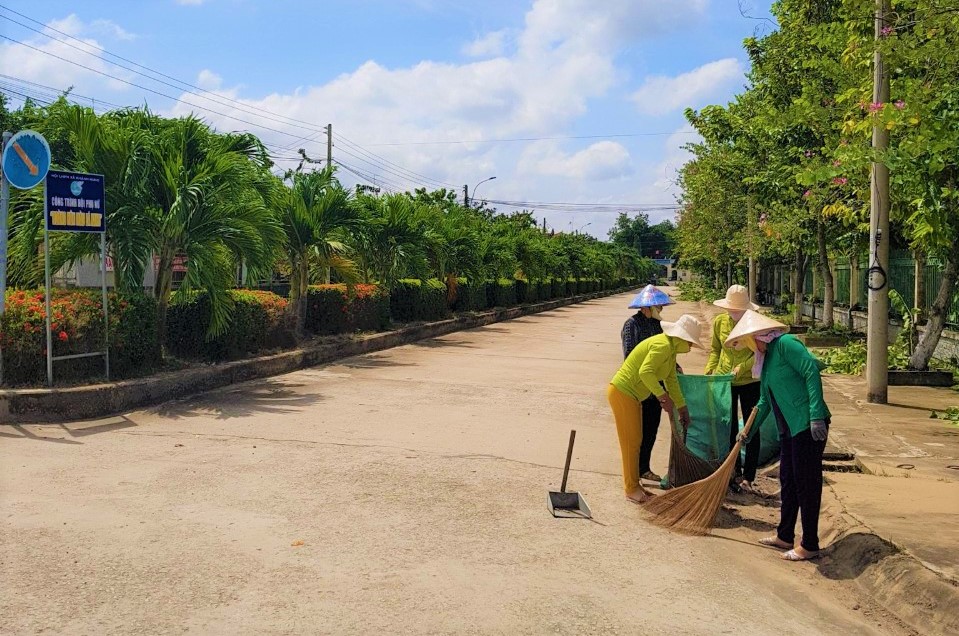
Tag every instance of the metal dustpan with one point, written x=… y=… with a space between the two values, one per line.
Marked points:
x=568 y=504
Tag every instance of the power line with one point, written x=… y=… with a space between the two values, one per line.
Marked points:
x=386 y=161
x=155 y=92
x=517 y=139
x=223 y=101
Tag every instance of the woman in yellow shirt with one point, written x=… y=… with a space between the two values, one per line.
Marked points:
x=652 y=361
x=723 y=360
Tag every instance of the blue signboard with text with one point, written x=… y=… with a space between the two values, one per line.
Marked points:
x=75 y=202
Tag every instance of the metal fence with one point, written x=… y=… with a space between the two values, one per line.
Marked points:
x=901 y=277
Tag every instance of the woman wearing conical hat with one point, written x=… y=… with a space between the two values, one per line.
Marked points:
x=651 y=362
x=645 y=323
x=790 y=388
x=745 y=389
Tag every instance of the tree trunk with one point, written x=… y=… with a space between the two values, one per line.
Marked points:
x=937 y=313
x=800 y=265
x=163 y=289
x=826 y=273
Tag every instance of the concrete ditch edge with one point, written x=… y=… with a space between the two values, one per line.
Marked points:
x=896 y=580
x=21 y=406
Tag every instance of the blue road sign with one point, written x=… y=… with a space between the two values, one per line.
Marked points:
x=26 y=159
x=75 y=202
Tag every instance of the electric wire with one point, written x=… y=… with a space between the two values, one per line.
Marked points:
x=221 y=100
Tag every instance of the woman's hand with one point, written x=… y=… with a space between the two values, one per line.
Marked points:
x=819 y=430
x=667 y=403
x=684 y=417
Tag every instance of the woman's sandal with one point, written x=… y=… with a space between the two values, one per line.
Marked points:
x=773 y=542
x=792 y=555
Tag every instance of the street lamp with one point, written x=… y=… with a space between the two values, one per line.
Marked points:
x=585 y=225
x=474 y=189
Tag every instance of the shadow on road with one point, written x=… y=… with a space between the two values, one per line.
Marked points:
x=267 y=397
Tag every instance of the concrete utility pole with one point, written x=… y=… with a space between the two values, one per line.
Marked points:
x=877 y=330
x=466 y=195
x=329 y=145
x=752 y=249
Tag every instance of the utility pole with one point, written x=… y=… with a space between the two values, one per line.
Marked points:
x=877 y=330
x=4 y=205
x=329 y=145
x=750 y=213
x=466 y=195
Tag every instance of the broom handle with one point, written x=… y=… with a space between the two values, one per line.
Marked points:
x=569 y=457
x=749 y=422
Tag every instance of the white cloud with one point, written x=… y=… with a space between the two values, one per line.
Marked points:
x=190 y=2
x=61 y=64
x=599 y=162
x=110 y=28
x=661 y=94
x=208 y=80
x=537 y=81
x=490 y=45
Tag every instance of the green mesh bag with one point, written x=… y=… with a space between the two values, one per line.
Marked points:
x=699 y=450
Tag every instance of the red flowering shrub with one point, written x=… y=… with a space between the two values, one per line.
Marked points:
x=332 y=309
x=77 y=327
x=258 y=322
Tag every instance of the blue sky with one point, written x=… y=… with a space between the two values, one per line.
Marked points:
x=400 y=79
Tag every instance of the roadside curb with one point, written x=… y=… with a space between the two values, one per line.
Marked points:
x=915 y=592
x=21 y=406
x=894 y=578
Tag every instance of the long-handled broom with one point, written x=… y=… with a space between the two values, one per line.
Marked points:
x=692 y=508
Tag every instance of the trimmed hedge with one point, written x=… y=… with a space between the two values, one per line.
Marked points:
x=77 y=326
x=258 y=322
x=412 y=299
x=470 y=296
x=332 y=309
x=501 y=293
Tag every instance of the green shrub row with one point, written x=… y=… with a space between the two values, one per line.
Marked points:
x=76 y=328
x=259 y=321
x=332 y=309
x=412 y=299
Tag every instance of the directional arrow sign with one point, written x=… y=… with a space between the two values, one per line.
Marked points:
x=26 y=159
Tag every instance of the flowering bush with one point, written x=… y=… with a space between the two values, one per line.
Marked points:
x=76 y=327
x=258 y=322
x=337 y=308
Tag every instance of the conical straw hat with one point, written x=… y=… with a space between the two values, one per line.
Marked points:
x=737 y=299
x=750 y=324
x=687 y=328
x=650 y=296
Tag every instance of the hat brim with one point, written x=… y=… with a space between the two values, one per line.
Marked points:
x=674 y=330
x=725 y=304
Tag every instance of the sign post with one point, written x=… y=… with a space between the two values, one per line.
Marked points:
x=25 y=160
x=74 y=202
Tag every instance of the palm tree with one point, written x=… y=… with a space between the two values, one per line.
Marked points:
x=210 y=190
x=452 y=244
x=393 y=240
x=317 y=215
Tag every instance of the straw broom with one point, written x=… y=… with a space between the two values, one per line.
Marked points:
x=692 y=508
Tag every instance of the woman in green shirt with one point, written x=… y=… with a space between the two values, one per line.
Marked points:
x=725 y=360
x=791 y=389
x=652 y=361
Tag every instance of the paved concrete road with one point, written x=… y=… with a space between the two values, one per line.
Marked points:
x=399 y=492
